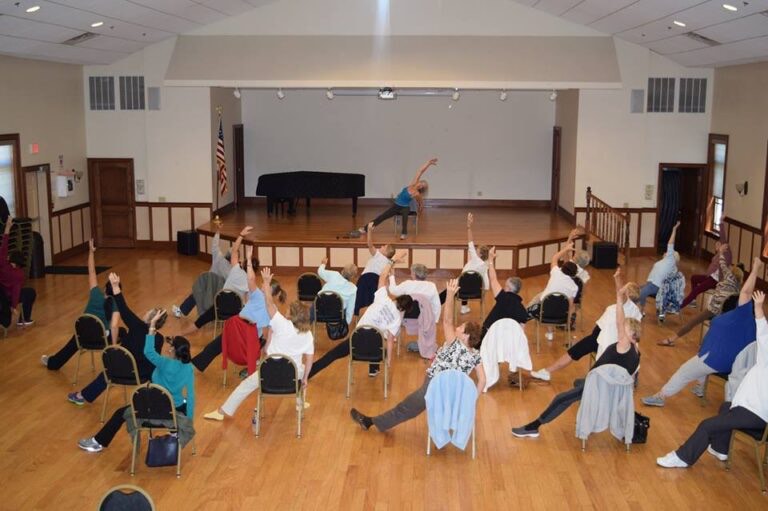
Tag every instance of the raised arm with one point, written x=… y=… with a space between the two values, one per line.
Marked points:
x=253 y=285
x=673 y=235
x=369 y=238
x=470 y=221
x=131 y=320
x=422 y=170
x=324 y=273
x=575 y=233
x=384 y=275
x=266 y=286
x=619 y=303
x=749 y=285
x=235 y=257
x=493 y=279
x=451 y=288
x=759 y=298
x=92 y=280
x=149 y=341
x=555 y=258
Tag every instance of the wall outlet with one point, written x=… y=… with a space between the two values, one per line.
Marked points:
x=649 y=189
x=161 y=198
x=139 y=187
x=479 y=194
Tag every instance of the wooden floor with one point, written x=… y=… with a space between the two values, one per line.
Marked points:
x=437 y=226
x=336 y=465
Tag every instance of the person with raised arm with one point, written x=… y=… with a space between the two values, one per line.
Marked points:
x=560 y=281
x=99 y=304
x=12 y=283
x=477 y=260
x=415 y=191
x=379 y=260
x=460 y=353
x=623 y=353
x=507 y=300
x=661 y=270
x=713 y=275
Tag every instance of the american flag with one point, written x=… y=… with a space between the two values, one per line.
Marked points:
x=221 y=162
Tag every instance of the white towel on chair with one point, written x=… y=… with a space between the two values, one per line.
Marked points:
x=506 y=342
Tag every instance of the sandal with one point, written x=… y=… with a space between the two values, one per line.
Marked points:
x=668 y=343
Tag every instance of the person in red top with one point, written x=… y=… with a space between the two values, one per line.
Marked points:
x=12 y=281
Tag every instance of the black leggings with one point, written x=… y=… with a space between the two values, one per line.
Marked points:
x=112 y=426
x=212 y=350
x=394 y=210
x=562 y=402
x=585 y=346
x=341 y=350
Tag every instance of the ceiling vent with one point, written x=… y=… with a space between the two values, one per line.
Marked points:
x=701 y=39
x=85 y=36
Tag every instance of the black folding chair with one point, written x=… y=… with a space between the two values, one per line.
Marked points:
x=414 y=313
x=758 y=438
x=553 y=311
x=119 y=369
x=226 y=304
x=368 y=345
x=470 y=288
x=308 y=285
x=279 y=376
x=124 y=497
x=329 y=308
x=90 y=336
x=577 y=301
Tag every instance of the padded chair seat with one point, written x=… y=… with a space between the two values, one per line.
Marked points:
x=362 y=357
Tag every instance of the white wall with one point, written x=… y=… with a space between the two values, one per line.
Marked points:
x=171 y=147
x=619 y=152
x=488 y=149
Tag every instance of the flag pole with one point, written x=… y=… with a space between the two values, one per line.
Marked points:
x=219 y=110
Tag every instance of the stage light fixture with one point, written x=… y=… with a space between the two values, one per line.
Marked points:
x=729 y=7
x=280 y=94
x=329 y=93
x=553 y=95
x=34 y=8
x=679 y=23
x=503 y=95
x=236 y=92
x=455 y=96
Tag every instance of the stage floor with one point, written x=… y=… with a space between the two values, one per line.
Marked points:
x=438 y=226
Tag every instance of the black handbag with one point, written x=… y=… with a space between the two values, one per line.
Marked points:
x=163 y=451
x=338 y=330
x=642 y=425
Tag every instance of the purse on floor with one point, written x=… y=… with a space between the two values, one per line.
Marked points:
x=642 y=425
x=163 y=451
x=338 y=330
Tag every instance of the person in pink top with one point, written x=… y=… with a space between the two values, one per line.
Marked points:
x=12 y=284
x=713 y=275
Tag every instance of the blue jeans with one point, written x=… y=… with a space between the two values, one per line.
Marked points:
x=649 y=289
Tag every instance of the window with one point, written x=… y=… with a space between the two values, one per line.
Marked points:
x=10 y=174
x=102 y=92
x=661 y=95
x=693 y=95
x=131 y=93
x=717 y=162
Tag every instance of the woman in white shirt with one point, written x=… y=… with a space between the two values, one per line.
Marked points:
x=749 y=409
x=560 y=281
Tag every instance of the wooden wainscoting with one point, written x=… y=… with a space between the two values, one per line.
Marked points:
x=746 y=242
x=642 y=227
x=158 y=222
x=70 y=231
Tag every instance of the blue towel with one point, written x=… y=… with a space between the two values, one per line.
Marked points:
x=451 y=398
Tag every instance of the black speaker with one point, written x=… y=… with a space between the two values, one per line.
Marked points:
x=605 y=254
x=187 y=242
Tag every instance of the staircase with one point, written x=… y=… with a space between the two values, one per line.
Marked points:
x=606 y=223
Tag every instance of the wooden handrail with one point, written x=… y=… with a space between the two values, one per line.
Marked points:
x=607 y=223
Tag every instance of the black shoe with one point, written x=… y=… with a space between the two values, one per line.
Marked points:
x=525 y=431
x=372 y=373
x=364 y=421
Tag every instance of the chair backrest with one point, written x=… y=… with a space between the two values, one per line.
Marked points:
x=126 y=497
x=227 y=304
x=278 y=375
x=580 y=285
x=470 y=285
x=308 y=285
x=329 y=307
x=415 y=311
x=554 y=308
x=152 y=403
x=367 y=344
x=730 y=303
x=90 y=333
x=120 y=366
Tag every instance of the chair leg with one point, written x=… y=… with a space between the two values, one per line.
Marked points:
x=474 y=444
x=133 y=455
x=730 y=451
x=703 y=398
x=257 y=416
x=349 y=375
x=77 y=367
x=386 y=374
x=93 y=362
x=429 y=442
x=224 y=384
x=760 y=469
x=299 y=411
x=106 y=398
x=520 y=378
x=538 y=340
x=584 y=444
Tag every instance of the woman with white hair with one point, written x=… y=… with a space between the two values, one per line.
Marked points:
x=507 y=300
x=340 y=283
x=661 y=270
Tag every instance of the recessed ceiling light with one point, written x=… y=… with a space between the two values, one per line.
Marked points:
x=729 y=7
x=34 y=8
x=679 y=23
x=97 y=24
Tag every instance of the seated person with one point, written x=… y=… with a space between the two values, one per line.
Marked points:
x=12 y=282
x=663 y=268
x=748 y=410
x=367 y=283
x=418 y=285
x=341 y=284
x=728 y=334
x=624 y=353
x=728 y=286
x=477 y=260
x=604 y=334
x=133 y=341
x=582 y=260
x=384 y=314
x=713 y=275
x=254 y=312
x=237 y=281
x=291 y=336
x=560 y=281
x=99 y=304
x=460 y=353
x=508 y=302
x=172 y=371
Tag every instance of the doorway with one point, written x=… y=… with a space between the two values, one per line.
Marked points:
x=37 y=179
x=681 y=196
x=556 y=140
x=11 y=175
x=239 y=155
x=113 y=219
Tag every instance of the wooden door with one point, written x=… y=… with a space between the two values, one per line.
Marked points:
x=112 y=202
x=556 y=138
x=237 y=142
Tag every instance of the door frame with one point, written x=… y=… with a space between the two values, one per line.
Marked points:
x=713 y=139
x=239 y=176
x=18 y=174
x=96 y=206
x=702 y=212
x=557 y=140
x=46 y=168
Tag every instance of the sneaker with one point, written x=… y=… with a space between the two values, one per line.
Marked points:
x=403 y=236
x=721 y=457
x=524 y=432
x=214 y=416
x=541 y=374
x=176 y=311
x=372 y=373
x=671 y=460
x=661 y=321
x=412 y=347
x=465 y=309
x=90 y=445
x=22 y=324
x=549 y=335
x=44 y=360
x=364 y=421
x=72 y=398
x=653 y=401
x=243 y=374
x=698 y=390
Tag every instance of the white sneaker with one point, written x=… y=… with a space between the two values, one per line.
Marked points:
x=671 y=460
x=44 y=360
x=550 y=335
x=465 y=309
x=721 y=457
x=698 y=390
x=541 y=374
x=176 y=311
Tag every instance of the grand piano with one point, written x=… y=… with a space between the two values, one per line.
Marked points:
x=288 y=187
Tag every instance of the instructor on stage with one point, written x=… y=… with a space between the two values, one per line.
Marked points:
x=402 y=204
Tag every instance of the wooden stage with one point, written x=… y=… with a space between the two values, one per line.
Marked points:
x=525 y=237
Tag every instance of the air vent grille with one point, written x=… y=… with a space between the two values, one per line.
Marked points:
x=85 y=36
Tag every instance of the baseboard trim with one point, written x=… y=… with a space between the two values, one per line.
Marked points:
x=72 y=251
x=381 y=201
x=156 y=244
